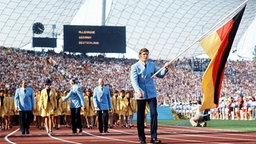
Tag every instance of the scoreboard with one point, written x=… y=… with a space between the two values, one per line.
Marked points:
x=98 y=39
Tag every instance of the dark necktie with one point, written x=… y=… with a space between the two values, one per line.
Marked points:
x=48 y=93
x=58 y=101
x=89 y=100
x=145 y=69
x=116 y=100
x=2 y=101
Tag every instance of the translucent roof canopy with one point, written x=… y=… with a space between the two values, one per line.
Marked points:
x=167 y=27
x=18 y=17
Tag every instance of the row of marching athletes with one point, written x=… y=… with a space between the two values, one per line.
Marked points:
x=124 y=106
x=6 y=109
x=48 y=111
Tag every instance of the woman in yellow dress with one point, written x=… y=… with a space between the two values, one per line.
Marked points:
x=48 y=105
x=89 y=111
x=10 y=109
x=115 y=107
x=123 y=108
x=66 y=110
x=83 y=115
x=59 y=110
x=3 y=110
x=130 y=103
x=37 y=110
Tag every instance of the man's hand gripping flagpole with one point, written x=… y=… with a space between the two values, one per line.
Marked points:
x=174 y=58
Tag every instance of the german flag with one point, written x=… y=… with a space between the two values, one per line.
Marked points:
x=217 y=46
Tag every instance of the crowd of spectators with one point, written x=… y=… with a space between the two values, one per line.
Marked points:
x=181 y=85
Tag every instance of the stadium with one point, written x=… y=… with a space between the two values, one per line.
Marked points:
x=171 y=30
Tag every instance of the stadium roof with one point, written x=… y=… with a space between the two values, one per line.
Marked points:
x=165 y=27
x=18 y=17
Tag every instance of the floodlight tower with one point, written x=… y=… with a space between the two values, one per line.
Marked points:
x=103 y=16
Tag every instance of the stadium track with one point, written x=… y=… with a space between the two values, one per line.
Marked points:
x=168 y=135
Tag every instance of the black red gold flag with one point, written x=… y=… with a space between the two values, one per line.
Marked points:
x=217 y=46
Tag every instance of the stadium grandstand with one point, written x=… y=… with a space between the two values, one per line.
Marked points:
x=164 y=27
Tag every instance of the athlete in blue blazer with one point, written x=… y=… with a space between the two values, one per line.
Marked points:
x=76 y=103
x=145 y=92
x=24 y=103
x=102 y=103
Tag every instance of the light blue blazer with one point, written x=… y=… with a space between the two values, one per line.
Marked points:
x=101 y=98
x=140 y=76
x=76 y=97
x=24 y=100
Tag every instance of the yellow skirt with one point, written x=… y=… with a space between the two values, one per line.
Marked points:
x=48 y=111
x=67 y=112
x=2 y=113
x=129 y=111
x=57 y=112
x=89 y=112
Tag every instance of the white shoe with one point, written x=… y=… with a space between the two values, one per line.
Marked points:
x=203 y=124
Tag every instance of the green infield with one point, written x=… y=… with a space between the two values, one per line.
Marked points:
x=240 y=125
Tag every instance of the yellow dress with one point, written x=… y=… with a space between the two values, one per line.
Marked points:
x=123 y=106
x=3 y=107
x=48 y=106
x=90 y=111
x=131 y=106
x=37 y=106
x=118 y=105
x=66 y=107
x=59 y=108
x=114 y=103
x=10 y=106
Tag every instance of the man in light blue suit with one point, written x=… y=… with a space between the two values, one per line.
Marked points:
x=76 y=103
x=24 y=103
x=102 y=103
x=145 y=92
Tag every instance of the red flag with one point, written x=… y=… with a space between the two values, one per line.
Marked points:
x=217 y=46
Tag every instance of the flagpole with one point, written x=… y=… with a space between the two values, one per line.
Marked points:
x=222 y=20
x=175 y=58
x=204 y=35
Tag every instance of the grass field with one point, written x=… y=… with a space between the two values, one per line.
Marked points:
x=241 y=125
